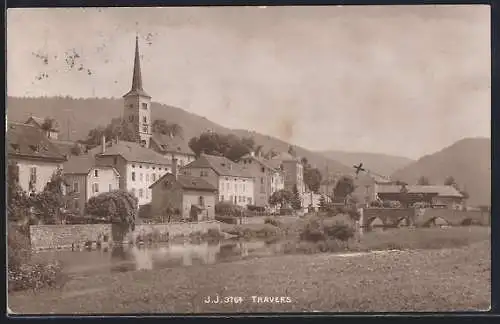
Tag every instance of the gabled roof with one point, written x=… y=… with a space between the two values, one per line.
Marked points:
x=38 y=122
x=285 y=157
x=443 y=191
x=132 y=152
x=221 y=165
x=25 y=140
x=64 y=146
x=264 y=162
x=174 y=144
x=82 y=164
x=186 y=182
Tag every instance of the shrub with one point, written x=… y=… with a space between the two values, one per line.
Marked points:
x=228 y=209
x=227 y=219
x=19 y=248
x=313 y=231
x=339 y=231
x=259 y=209
x=376 y=204
x=286 y=211
x=272 y=221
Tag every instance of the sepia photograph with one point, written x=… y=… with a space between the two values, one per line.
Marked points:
x=280 y=159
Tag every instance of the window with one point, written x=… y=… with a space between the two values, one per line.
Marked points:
x=201 y=201
x=76 y=204
x=140 y=193
x=144 y=119
x=227 y=186
x=131 y=118
x=115 y=160
x=262 y=181
x=76 y=188
x=235 y=187
x=144 y=130
x=147 y=193
x=133 y=176
x=244 y=188
x=222 y=198
x=249 y=201
x=141 y=177
x=131 y=106
x=110 y=187
x=262 y=169
x=32 y=178
x=147 y=177
x=144 y=105
x=154 y=177
x=95 y=187
x=133 y=192
x=96 y=173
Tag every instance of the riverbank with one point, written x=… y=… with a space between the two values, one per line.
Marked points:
x=425 y=280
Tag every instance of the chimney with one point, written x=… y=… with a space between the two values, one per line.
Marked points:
x=103 y=144
x=174 y=167
x=252 y=154
x=170 y=135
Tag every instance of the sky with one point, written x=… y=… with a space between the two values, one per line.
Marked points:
x=401 y=80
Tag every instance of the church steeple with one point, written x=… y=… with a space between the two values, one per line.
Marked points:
x=137 y=88
x=137 y=104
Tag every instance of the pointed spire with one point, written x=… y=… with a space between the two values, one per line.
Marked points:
x=137 y=76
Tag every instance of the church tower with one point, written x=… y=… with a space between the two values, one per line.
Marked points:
x=137 y=110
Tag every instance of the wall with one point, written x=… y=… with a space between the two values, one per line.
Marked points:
x=163 y=197
x=44 y=171
x=192 y=198
x=453 y=217
x=53 y=236
x=120 y=166
x=144 y=178
x=211 y=176
x=78 y=199
x=230 y=187
x=389 y=216
x=105 y=178
x=62 y=236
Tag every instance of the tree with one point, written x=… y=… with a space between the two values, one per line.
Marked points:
x=163 y=127
x=77 y=149
x=229 y=146
x=344 y=187
x=312 y=179
x=304 y=161
x=49 y=124
x=423 y=181
x=296 y=202
x=18 y=202
x=118 y=128
x=404 y=194
x=291 y=151
x=450 y=181
x=118 y=207
x=281 y=197
x=49 y=203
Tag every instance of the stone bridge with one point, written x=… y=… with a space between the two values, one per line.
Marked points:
x=389 y=217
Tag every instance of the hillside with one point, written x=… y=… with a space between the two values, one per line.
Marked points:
x=380 y=163
x=468 y=161
x=82 y=115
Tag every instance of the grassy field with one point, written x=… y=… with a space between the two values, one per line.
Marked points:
x=419 y=280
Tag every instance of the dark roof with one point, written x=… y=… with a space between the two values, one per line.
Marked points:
x=221 y=165
x=443 y=191
x=187 y=182
x=132 y=152
x=82 y=164
x=137 y=77
x=29 y=141
x=64 y=146
x=264 y=162
x=174 y=144
x=39 y=122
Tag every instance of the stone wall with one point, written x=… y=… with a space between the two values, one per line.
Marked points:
x=452 y=217
x=63 y=236
x=389 y=216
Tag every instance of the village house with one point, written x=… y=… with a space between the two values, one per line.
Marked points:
x=267 y=179
x=36 y=157
x=172 y=147
x=50 y=131
x=436 y=196
x=138 y=166
x=193 y=197
x=292 y=169
x=85 y=179
x=233 y=183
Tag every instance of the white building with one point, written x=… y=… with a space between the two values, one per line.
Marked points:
x=234 y=184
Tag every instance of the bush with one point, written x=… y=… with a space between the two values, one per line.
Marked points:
x=339 y=231
x=318 y=230
x=227 y=219
x=313 y=231
x=286 y=211
x=272 y=221
x=259 y=209
x=228 y=209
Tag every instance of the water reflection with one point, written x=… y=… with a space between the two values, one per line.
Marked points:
x=122 y=258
